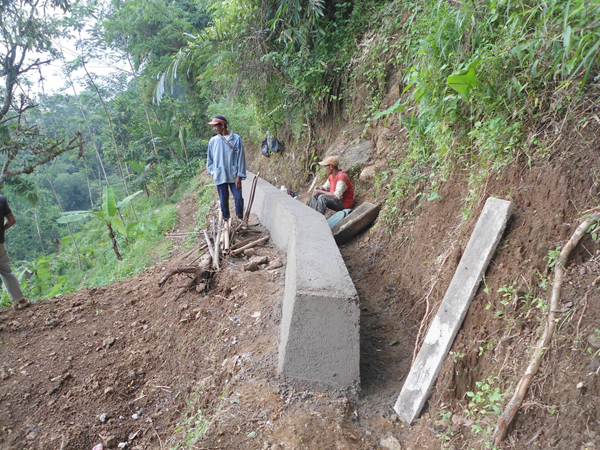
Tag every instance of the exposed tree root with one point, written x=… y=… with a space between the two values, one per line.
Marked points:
x=202 y=274
x=510 y=411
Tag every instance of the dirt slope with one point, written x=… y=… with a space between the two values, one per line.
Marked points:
x=128 y=364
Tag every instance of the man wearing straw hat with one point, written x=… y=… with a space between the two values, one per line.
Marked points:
x=226 y=162
x=337 y=193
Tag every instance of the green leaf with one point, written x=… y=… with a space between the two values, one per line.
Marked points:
x=119 y=225
x=463 y=82
x=73 y=216
x=109 y=207
x=43 y=273
x=127 y=199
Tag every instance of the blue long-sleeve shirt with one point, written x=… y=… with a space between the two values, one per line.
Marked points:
x=224 y=163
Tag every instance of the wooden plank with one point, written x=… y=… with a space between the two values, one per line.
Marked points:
x=453 y=309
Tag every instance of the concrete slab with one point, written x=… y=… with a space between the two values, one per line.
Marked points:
x=358 y=220
x=454 y=307
x=319 y=341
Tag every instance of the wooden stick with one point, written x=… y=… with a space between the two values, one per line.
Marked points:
x=512 y=407
x=250 y=245
x=197 y=247
x=218 y=241
x=226 y=235
x=251 y=198
x=249 y=205
x=210 y=250
x=198 y=257
x=242 y=243
x=184 y=233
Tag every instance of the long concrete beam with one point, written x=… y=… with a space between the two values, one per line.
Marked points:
x=319 y=340
x=454 y=307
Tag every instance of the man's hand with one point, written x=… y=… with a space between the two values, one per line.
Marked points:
x=321 y=191
x=238 y=182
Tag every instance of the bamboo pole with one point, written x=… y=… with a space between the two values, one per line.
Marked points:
x=250 y=245
x=218 y=243
x=210 y=250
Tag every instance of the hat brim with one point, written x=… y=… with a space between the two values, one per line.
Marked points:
x=217 y=122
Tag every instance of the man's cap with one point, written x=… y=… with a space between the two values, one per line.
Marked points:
x=330 y=161
x=217 y=120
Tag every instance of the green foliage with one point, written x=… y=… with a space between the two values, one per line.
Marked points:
x=552 y=256
x=474 y=75
x=485 y=406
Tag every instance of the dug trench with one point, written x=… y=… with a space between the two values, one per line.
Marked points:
x=127 y=364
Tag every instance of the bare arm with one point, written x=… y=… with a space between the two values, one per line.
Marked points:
x=11 y=221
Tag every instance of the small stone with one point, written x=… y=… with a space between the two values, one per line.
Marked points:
x=390 y=443
x=53 y=390
x=108 y=390
x=594 y=340
x=136 y=416
x=103 y=417
x=108 y=341
x=251 y=267
x=594 y=364
x=111 y=441
x=275 y=264
x=31 y=436
x=264 y=414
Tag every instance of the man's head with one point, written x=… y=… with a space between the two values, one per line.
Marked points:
x=219 y=124
x=330 y=163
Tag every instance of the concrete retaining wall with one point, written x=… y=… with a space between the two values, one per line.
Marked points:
x=319 y=342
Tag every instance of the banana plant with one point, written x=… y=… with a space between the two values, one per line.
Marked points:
x=109 y=214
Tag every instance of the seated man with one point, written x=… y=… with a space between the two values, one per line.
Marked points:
x=337 y=193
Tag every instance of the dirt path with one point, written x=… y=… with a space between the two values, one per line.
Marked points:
x=126 y=364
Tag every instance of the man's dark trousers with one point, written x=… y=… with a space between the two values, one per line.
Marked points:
x=223 y=190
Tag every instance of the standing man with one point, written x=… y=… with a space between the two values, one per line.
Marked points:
x=226 y=162
x=337 y=193
x=7 y=220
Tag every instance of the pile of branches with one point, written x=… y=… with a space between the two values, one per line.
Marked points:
x=218 y=244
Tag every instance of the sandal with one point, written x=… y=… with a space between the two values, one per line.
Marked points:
x=23 y=303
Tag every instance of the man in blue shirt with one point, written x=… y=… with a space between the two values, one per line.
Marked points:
x=7 y=220
x=226 y=162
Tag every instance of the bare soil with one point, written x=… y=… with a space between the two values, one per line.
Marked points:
x=127 y=363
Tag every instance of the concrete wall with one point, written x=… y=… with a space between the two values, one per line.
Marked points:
x=319 y=342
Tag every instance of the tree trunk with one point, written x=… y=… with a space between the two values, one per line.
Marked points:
x=150 y=126
x=114 y=241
